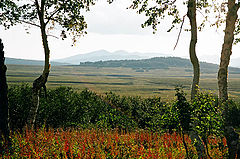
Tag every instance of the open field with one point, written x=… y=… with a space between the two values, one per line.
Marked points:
x=123 y=81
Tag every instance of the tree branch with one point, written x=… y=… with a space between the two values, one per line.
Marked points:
x=179 y=32
x=171 y=3
x=38 y=7
x=202 y=15
x=53 y=36
x=23 y=21
x=50 y=17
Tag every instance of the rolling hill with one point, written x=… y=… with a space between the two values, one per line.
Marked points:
x=158 y=63
x=137 y=61
x=15 y=61
x=103 y=55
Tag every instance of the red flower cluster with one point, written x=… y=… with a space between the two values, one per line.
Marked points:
x=94 y=143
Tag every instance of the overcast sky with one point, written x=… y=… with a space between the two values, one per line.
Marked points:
x=113 y=27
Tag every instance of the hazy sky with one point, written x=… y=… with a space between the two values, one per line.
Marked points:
x=113 y=27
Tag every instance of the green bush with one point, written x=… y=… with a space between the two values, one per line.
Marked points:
x=19 y=98
x=233 y=113
x=57 y=109
x=64 y=107
x=207 y=115
x=145 y=112
x=178 y=114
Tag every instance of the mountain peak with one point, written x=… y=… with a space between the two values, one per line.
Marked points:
x=99 y=51
x=120 y=51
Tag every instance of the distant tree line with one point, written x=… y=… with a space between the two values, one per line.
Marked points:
x=157 y=63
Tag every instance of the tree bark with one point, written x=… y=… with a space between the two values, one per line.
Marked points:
x=4 y=111
x=41 y=81
x=192 y=49
x=227 y=50
x=229 y=132
x=197 y=142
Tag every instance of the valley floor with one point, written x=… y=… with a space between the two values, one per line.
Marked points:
x=123 y=81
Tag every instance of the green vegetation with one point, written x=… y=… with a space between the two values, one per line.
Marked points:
x=63 y=108
x=203 y=117
x=135 y=100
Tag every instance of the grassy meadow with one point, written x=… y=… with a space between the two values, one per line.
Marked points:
x=122 y=81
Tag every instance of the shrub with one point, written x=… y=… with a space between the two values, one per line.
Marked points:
x=207 y=115
x=20 y=97
x=64 y=107
x=145 y=112
x=233 y=114
x=178 y=114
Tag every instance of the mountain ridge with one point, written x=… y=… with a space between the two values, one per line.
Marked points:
x=16 y=61
x=104 y=55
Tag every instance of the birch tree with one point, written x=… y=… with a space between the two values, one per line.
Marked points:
x=231 y=20
x=191 y=13
x=158 y=10
x=47 y=15
x=231 y=28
